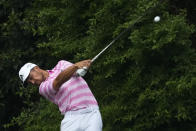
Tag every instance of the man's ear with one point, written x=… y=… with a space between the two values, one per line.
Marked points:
x=36 y=68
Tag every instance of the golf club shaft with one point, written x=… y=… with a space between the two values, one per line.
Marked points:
x=133 y=23
x=94 y=58
x=82 y=72
x=102 y=51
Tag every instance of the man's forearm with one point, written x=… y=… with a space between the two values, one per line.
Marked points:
x=67 y=73
x=64 y=76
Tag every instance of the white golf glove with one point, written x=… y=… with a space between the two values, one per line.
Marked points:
x=82 y=71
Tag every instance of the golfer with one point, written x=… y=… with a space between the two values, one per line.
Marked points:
x=70 y=92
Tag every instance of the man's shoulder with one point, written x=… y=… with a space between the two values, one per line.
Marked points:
x=62 y=64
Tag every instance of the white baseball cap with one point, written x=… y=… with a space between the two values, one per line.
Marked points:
x=25 y=70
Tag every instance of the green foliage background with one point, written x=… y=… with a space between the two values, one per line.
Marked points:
x=145 y=82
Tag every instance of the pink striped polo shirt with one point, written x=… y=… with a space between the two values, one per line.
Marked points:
x=74 y=94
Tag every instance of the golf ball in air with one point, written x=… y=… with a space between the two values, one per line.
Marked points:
x=157 y=19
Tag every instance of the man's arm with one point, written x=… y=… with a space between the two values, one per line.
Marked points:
x=68 y=73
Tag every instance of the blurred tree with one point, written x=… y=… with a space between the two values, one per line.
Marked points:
x=17 y=47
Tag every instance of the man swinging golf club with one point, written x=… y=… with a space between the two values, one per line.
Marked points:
x=70 y=92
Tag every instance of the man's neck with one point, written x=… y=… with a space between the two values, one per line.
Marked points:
x=46 y=74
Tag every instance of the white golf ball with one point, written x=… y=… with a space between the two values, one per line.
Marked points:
x=157 y=19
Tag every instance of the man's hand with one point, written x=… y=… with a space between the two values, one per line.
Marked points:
x=82 y=67
x=84 y=63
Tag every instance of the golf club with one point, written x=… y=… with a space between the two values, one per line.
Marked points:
x=83 y=71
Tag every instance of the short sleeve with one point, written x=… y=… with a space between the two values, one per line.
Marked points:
x=46 y=89
x=63 y=64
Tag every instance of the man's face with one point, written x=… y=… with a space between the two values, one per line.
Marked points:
x=35 y=76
